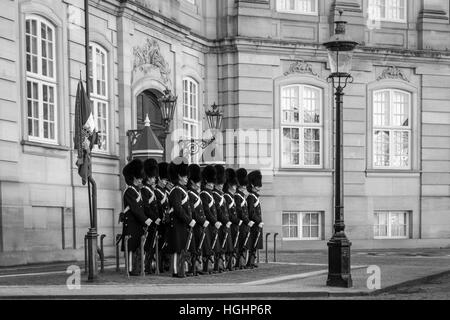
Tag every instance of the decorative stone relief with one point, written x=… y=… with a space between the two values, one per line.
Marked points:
x=149 y=57
x=393 y=73
x=301 y=67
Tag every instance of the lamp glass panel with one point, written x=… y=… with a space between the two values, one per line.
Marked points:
x=340 y=61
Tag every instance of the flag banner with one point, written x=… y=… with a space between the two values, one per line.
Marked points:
x=86 y=135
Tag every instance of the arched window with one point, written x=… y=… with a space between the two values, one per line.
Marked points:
x=98 y=87
x=41 y=79
x=301 y=126
x=391 y=129
x=190 y=109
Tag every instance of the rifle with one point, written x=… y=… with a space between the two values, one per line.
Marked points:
x=199 y=260
x=127 y=261
x=211 y=257
x=234 y=256
x=143 y=241
x=156 y=254
x=222 y=258
x=255 y=244
x=185 y=255
x=243 y=256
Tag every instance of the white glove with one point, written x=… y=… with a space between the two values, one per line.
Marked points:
x=148 y=222
x=261 y=225
x=251 y=223
x=228 y=224
x=158 y=221
x=218 y=225
x=192 y=224
x=240 y=222
x=206 y=224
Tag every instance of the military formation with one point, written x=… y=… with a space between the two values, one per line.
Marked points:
x=187 y=220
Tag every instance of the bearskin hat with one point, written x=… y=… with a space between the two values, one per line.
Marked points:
x=151 y=167
x=162 y=169
x=230 y=179
x=209 y=174
x=194 y=173
x=178 y=167
x=220 y=174
x=133 y=169
x=255 y=178
x=241 y=175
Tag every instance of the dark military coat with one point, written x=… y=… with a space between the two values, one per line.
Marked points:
x=254 y=213
x=232 y=214
x=134 y=219
x=199 y=216
x=180 y=217
x=151 y=211
x=209 y=209
x=226 y=242
x=242 y=214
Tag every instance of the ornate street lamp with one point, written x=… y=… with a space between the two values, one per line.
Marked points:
x=214 y=117
x=167 y=105
x=340 y=52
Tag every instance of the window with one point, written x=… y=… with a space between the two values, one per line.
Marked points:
x=41 y=80
x=98 y=87
x=297 y=6
x=391 y=225
x=301 y=126
x=387 y=10
x=301 y=226
x=190 y=109
x=391 y=129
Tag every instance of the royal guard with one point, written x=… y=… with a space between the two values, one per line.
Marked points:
x=230 y=188
x=226 y=244
x=254 y=213
x=152 y=212
x=242 y=213
x=180 y=232
x=135 y=221
x=201 y=236
x=163 y=211
x=209 y=208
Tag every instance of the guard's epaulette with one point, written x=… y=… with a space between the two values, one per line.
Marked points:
x=186 y=197
x=134 y=189
x=221 y=198
x=211 y=203
x=198 y=202
x=232 y=204
x=152 y=193
x=244 y=202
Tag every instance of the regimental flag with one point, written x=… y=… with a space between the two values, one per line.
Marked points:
x=85 y=133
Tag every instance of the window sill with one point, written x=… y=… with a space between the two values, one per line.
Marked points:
x=303 y=172
x=104 y=156
x=44 y=145
x=392 y=173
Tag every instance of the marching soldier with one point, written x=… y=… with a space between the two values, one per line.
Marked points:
x=135 y=219
x=181 y=222
x=242 y=214
x=209 y=208
x=151 y=211
x=201 y=236
x=226 y=246
x=163 y=209
x=230 y=190
x=254 y=212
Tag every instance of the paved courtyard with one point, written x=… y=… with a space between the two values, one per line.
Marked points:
x=294 y=275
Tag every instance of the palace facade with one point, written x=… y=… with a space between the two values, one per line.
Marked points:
x=261 y=61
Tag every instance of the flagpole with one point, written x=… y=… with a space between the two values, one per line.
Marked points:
x=92 y=233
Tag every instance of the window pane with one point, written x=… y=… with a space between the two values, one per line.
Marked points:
x=285 y=218
x=306 y=232
x=381 y=113
x=381 y=148
x=310 y=105
x=286 y=232
x=400 y=109
x=290 y=104
x=314 y=232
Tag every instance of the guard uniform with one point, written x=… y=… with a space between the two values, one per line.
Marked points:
x=180 y=232
x=135 y=220
x=242 y=214
x=254 y=212
x=209 y=208
x=163 y=211
x=152 y=212
x=232 y=214
x=201 y=236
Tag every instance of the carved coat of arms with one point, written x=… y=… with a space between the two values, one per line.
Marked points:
x=148 y=57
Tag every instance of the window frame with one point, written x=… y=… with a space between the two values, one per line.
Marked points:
x=188 y=120
x=389 y=226
x=371 y=4
x=300 y=215
x=392 y=128
x=310 y=13
x=302 y=126
x=42 y=81
x=96 y=98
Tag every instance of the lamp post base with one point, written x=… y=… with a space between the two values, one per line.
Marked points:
x=92 y=254
x=339 y=272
